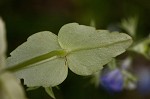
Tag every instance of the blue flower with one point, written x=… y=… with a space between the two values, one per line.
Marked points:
x=112 y=81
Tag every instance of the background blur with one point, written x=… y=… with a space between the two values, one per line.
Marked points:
x=26 y=17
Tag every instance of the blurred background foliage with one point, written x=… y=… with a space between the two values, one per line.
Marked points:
x=26 y=17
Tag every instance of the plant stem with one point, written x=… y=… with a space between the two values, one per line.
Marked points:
x=130 y=76
x=34 y=60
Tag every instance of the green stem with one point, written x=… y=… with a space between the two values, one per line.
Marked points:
x=34 y=60
x=112 y=64
x=130 y=76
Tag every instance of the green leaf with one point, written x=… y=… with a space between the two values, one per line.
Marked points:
x=49 y=72
x=50 y=92
x=44 y=59
x=90 y=49
x=10 y=87
x=32 y=88
x=130 y=25
x=143 y=48
x=95 y=79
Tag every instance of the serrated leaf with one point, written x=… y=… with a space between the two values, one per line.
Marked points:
x=10 y=87
x=90 y=49
x=86 y=51
x=50 y=72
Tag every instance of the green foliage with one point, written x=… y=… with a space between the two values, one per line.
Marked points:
x=44 y=59
x=48 y=72
x=90 y=49
x=143 y=48
x=9 y=86
x=130 y=25
x=50 y=92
